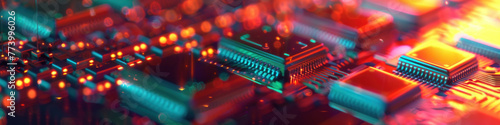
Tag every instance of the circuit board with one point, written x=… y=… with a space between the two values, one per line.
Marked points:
x=249 y=62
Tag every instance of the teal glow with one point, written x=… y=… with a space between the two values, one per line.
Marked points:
x=245 y=38
x=267 y=28
x=153 y=95
x=161 y=103
x=44 y=85
x=94 y=54
x=368 y=106
x=24 y=22
x=312 y=41
x=116 y=4
x=303 y=44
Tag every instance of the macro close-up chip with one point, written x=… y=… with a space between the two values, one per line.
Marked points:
x=482 y=41
x=371 y=93
x=249 y=62
x=366 y=29
x=438 y=65
x=410 y=15
x=272 y=58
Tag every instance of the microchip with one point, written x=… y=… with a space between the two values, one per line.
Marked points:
x=262 y=52
x=369 y=29
x=372 y=93
x=437 y=65
x=409 y=15
x=483 y=41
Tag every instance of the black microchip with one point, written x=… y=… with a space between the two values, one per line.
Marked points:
x=274 y=58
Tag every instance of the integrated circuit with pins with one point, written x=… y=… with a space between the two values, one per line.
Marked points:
x=371 y=93
x=482 y=41
x=269 y=59
x=439 y=66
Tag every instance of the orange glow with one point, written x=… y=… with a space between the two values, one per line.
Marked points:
x=184 y=33
x=149 y=58
x=26 y=84
x=119 y=53
x=223 y=21
x=139 y=62
x=171 y=15
x=81 y=80
x=91 y=61
x=230 y=34
x=143 y=46
x=80 y=44
x=99 y=42
x=5 y=102
x=27 y=80
x=90 y=77
x=73 y=47
x=54 y=73
x=191 y=6
x=172 y=37
x=188 y=46
x=206 y=26
x=65 y=70
x=63 y=45
x=177 y=49
x=87 y=91
x=252 y=11
x=194 y=43
x=100 y=88
x=188 y=32
x=204 y=53
x=62 y=84
x=120 y=68
x=107 y=85
x=136 y=48
x=113 y=56
x=19 y=83
x=21 y=43
x=210 y=51
x=131 y=64
x=284 y=28
x=239 y=15
x=119 y=82
x=163 y=40
x=31 y=94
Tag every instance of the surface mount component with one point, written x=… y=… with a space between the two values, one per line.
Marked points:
x=366 y=29
x=263 y=53
x=437 y=65
x=409 y=15
x=372 y=93
x=483 y=41
x=153 y=97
